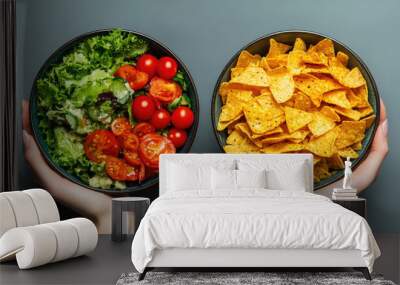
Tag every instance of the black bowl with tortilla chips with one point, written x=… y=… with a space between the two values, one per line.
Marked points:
x=282 y=95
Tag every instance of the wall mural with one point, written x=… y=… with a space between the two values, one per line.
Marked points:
x=106 y=104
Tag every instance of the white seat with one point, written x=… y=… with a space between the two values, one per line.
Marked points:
x=31 y=230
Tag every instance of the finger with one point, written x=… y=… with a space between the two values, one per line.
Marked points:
x=383 y=111
x=26 y=124
x=380 y=142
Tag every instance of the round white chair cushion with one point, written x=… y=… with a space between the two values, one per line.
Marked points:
x=40 y=244
x=26 y=208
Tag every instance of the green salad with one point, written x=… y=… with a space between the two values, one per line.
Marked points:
x=82 y=94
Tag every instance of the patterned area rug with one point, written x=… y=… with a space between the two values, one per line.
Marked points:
x=243 y=278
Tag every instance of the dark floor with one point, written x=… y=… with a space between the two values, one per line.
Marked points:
x=103 y=266
x=111 y=259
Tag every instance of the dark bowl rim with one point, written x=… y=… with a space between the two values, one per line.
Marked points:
x=70 y=45
x=356 y=56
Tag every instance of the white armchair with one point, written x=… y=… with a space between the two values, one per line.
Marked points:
x=31 y=230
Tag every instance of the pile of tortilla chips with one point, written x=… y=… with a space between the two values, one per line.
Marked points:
x=296 y=99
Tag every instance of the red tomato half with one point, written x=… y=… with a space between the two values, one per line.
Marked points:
x=164 y=90
x=160 y=119
x=147 y=63
x=120 y=125
x=100 y=144
x=143 y=108
x=178 y=137
x=138 y=79
x=143 y=128
x=119 y=170
x=152 y=146
x=125 y=71
x=133 y=159
x=182 y=117
x=130 y=141
x=167 y=67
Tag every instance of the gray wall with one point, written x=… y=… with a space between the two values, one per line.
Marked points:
x=205 y=34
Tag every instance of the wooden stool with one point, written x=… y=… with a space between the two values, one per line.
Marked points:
x=137 y=205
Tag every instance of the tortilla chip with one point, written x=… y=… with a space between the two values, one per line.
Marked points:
x=324 y=145
x=362 y=93
x=234 y=104
x=302 y=101
x=316 y=159
x=353 y=98
x=263 y=114
x=337 y=69
x=270 y=63
x=330 y=113
x=295 y=63
x=244 y=128
x=317 y=58
x=276 y=48
x=321 y=170
x=223 y=125
x=350 y=132
x=349 y=113
x=324 y=46
x=246 y=59
x=283 y=147
x=335 y=162
x=252 y=77
x=369 y=120
x=318 y=69
x=236 y=71
x=343 y=58
x=245 y=147
x=296 y=137
x=235 y=137
x=314 y=86
x=277 y=130
x=281 y=84
x=320 y=124
x=296 y=118
x=357 y=146
x=299 y=44
x=354 y=79
x=365 y=111
x=348 y=152
x=337 y=97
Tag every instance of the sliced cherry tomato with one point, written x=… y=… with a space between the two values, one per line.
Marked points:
x=100 y=144
x=118 y=170
x=178 y=137
x=147 y=63
x=167 y=67
x=143 y=128
x=130 y=141
x=138 y=79
x=160 y=119
x=164 y=90
x=152 y=146
x=125 y=71
x=143 y=107
x=182 y=117
x=120 y=125
x=132 y=158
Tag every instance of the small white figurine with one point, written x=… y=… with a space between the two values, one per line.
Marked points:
x=347 y=174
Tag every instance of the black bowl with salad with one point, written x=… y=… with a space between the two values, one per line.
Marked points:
x=105 y=105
